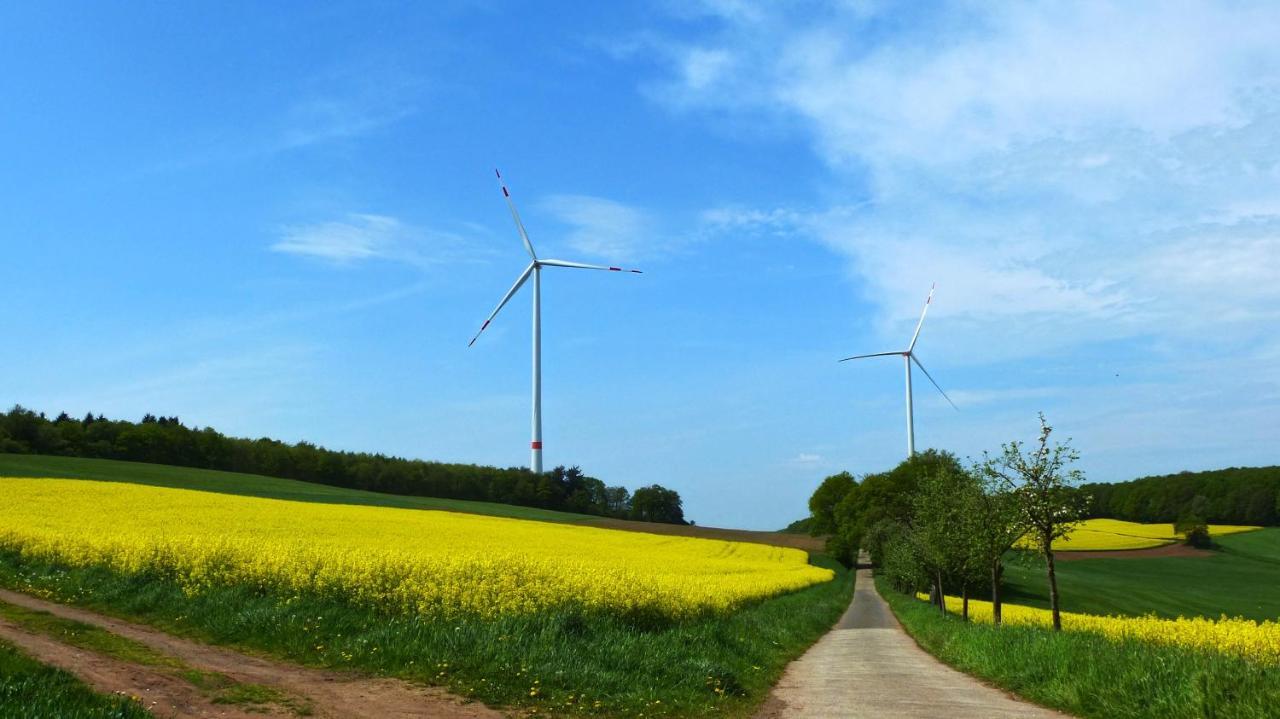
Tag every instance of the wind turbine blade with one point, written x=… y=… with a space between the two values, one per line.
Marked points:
x=920 y=324
x=877 y=354
x=515 y=215
x=505 y=298
x=935 y=384
x=582 y=266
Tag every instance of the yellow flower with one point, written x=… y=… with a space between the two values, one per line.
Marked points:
x=1255 y=641
x=443 y=564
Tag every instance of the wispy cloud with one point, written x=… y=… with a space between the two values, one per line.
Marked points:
x=1066 y=173
x=604 y=228
x=361 y=237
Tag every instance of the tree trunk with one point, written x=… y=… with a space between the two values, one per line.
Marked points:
x=942 y=596
x=964 y=591
x=1053 y=589
x=995 y=591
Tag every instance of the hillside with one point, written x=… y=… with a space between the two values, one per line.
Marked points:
x=1238 y=580
x=166 y=440
x=255 y=485
x=1235 y=495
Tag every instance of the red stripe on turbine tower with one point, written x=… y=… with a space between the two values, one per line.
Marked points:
x=536 y=445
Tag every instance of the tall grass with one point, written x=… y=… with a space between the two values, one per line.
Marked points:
x=1091 y=676
x=571 y=663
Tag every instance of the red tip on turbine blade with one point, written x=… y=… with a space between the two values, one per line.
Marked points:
x=499 y=174
x=638 y=272
x=535 y=445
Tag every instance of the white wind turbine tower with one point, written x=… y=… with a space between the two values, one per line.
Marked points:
x=535 y=270
x=908 y=356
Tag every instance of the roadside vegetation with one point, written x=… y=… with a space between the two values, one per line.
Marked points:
x=968 y=557
x=1090 y=675
x=31 y=689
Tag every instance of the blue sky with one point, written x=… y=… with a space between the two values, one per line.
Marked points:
x=284 y=222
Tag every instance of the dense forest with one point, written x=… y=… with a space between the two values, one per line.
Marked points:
x=165 y=440
x=1237 y=495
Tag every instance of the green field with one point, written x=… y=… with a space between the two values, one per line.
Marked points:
x=210 y=480
x=1239 y=580
x=1089 y=675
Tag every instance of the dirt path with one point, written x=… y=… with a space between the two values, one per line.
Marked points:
x=329 y=694
x=1166 y=550
x=867 y=666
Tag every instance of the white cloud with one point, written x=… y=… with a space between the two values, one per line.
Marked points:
x=362 y=237
x=602 y=227
x=1066 y=173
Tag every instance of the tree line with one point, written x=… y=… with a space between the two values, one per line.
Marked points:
x=932 y=524
x=166 y=440
x=1237 y=495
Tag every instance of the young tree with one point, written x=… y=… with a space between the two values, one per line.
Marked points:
x=1046 y=495
x=994 y=523
x=937 y=525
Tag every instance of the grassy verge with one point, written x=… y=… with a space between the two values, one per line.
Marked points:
x=219 y=688
x=1238 y=580
x=31 y=689
x=557 y=663
x=1089 y=676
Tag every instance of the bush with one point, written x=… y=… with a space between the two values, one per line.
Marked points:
x=1194 y=532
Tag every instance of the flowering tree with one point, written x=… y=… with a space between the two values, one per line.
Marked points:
x=993 y=523
x=1046 y=495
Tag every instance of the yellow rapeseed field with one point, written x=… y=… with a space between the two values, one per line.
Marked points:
x=437 y=563
x=1257 y=641
x=1102 y=534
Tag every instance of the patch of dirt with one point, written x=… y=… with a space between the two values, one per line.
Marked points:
x=158 y=691
x=1168 y=550
x=777 y=539
x=329 y=694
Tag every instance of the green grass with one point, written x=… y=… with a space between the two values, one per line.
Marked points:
x=1239 y=580
x=1090 y=676
x=254 y=485
x=572 y=662
x=31 y=689
x=222 y=689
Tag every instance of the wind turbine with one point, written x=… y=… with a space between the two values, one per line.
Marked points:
x=535 y=270
x=909 y=356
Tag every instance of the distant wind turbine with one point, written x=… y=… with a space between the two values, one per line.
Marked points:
x=535 y=270
x=908 y=356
